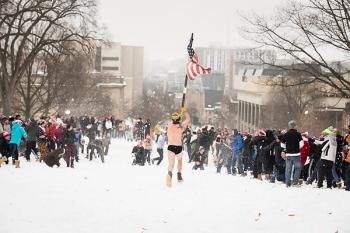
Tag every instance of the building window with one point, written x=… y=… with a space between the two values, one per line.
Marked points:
x=110 y=58
x=110 y=68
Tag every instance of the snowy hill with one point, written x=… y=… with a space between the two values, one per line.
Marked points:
x=117 y=197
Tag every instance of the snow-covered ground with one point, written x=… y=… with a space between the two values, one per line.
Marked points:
x=116 y=197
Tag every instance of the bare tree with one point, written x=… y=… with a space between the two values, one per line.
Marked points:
x=28 y=27
x=155 y=105
x=306 y=31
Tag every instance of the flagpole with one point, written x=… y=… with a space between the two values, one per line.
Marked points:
x=186 y=80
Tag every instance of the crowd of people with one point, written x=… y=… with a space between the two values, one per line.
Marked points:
x=48 y=139
x=286 y=156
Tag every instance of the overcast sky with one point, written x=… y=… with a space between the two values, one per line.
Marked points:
x=163 y=27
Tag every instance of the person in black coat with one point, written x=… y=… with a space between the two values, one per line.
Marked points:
x=4 y=147
x=147 y=126
x=139 y=153
x=68 y=141
x=199 y=158
x=140 y=129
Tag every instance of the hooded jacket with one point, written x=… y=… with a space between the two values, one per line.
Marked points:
x=329 y=149
x=17 y=133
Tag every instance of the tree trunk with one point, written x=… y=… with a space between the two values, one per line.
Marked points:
x=7 y=103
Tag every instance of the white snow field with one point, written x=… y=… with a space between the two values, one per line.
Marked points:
x=116 y=197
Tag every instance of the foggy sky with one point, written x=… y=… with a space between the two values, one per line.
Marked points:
x=163 y=27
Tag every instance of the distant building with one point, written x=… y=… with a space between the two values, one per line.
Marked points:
x=251 y=113
x=132 y=70
x=121 y=71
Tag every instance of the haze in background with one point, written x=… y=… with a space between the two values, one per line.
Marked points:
x=163 y=27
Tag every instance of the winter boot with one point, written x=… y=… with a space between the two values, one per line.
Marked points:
x=168 y=179
x=17 y=164
x=3 y=160
x=259 y=177
x=179 y=176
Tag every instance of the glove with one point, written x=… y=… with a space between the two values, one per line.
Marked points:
x=183 y=109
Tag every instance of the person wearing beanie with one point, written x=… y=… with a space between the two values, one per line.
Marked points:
x=292 y=142
x=328 y=155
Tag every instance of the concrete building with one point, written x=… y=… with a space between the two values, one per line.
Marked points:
x=120 y=72
x=230 y=60
x=132 y=70
x=253 y=96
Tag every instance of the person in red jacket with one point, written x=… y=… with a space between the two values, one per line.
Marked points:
x=305 y=150
x=52 y=136
x=59 y=135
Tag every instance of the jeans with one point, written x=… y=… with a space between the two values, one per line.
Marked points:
x=290 y=161
x=13 y=151
x=335 y=175
x=237 y=158
x=160 y=158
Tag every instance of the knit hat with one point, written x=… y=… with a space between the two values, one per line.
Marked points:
x=328 y=131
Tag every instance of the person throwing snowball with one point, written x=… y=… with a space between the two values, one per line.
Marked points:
x=174 y=132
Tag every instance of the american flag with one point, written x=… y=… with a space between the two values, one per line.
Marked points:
x=193 y=68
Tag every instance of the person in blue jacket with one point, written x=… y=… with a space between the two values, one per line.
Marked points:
x=17 y=134
x=237 y=149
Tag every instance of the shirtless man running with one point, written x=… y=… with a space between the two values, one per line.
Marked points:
x=175 y=130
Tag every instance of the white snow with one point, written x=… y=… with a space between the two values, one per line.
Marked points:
x=117 y=197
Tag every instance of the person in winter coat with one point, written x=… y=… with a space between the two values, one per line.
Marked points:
x=4 y=147
x=247 y=152
x=204 y=140
x=187 y=141
x=52 y=136
x=42 y=140
x=121 y=127
x=77 y=145
x=292 y=142
x=17 y=134
x=218 y=143
x=225 y=155
x=237 y=149
x=268 y=155
x=329 y=153
x=338 y=166
x=139 y=154
x=147 y=144
x=157 y=131
x=108 y=126
x=160 y=149
x=59 y=135
x=68 y=141
x=139 y=130
x=147 y=127
x=32 y=129
x=199 y=158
